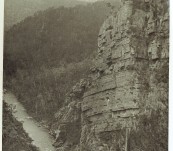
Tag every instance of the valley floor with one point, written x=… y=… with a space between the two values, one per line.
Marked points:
x=36 y=132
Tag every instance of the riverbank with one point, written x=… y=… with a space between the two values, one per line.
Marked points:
x=13 y=134
x=36 y=132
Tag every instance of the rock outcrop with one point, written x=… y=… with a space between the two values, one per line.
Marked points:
x=129 y=78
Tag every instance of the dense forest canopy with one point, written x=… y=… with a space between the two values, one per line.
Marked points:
x=55 y=35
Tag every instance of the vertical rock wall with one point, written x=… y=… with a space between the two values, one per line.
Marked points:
x=132 y=52
x=129 y=76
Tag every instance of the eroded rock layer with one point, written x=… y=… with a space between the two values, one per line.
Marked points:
x=128 y=79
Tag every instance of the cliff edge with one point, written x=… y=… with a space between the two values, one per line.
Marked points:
x=129 y=80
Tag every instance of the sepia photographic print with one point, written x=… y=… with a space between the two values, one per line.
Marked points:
x=85 y=75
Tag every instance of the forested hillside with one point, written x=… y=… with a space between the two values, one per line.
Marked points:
x=53 y=32
x=46 y=54
x=17 y=10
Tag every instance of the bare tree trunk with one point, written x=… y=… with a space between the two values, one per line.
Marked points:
x=127 y=143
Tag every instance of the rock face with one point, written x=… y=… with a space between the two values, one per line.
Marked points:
x=129 y=77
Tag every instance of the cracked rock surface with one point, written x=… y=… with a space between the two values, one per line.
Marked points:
x=128 y=79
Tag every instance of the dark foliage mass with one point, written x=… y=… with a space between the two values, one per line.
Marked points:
x=56 y=35
x=152 y=132
x=46 y=54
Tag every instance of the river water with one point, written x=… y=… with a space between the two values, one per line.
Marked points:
x=37 y=133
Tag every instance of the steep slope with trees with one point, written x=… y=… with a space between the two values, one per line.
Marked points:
x=47 y=53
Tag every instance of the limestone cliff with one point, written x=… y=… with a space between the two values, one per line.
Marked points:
x=129 y=79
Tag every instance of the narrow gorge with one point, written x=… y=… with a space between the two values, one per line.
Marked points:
x=128 y=81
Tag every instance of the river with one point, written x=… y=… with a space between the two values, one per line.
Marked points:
x=40 y=136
